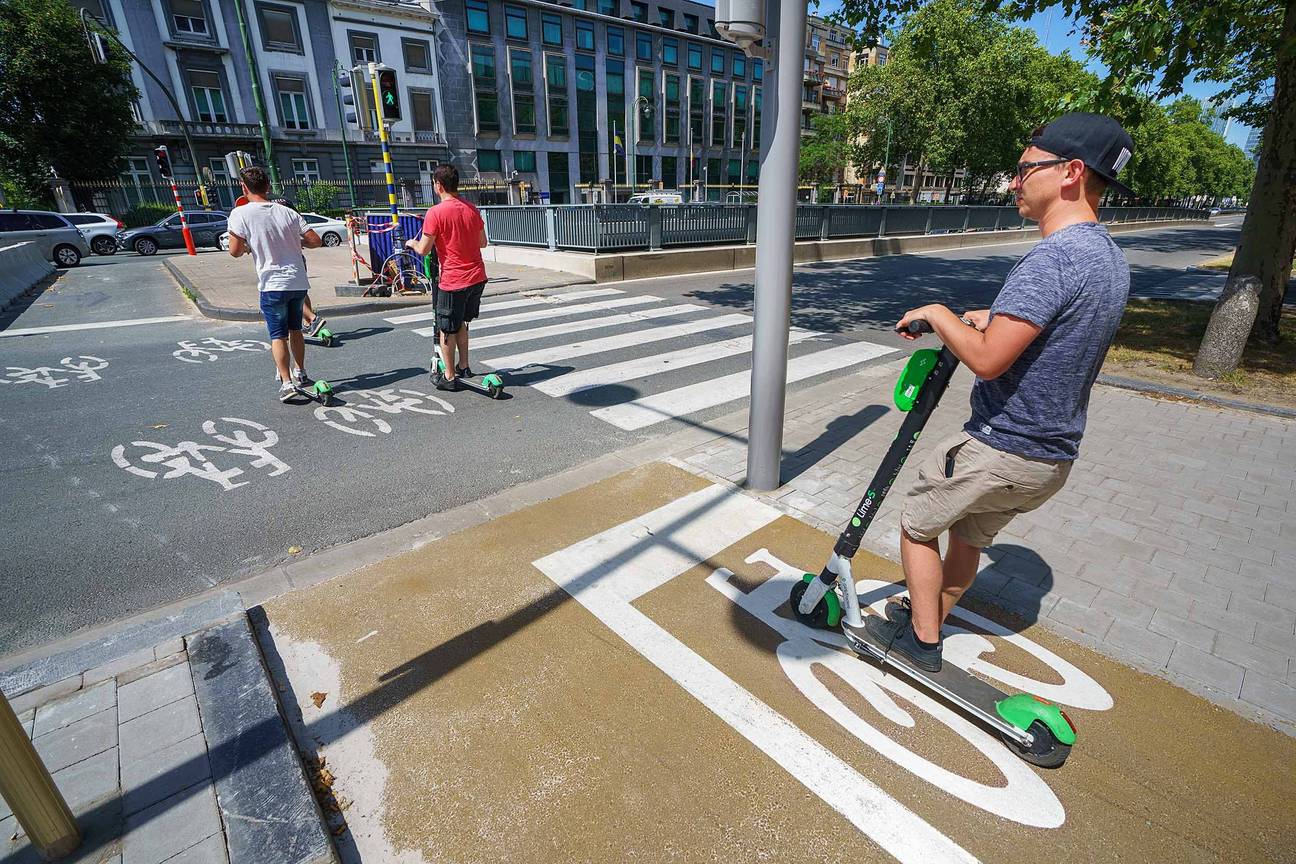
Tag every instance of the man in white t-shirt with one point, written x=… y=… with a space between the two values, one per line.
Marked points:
x=276 y=235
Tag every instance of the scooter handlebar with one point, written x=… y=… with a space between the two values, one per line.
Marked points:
x=916 y=328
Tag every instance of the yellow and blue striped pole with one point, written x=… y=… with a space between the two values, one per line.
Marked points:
x=397 y=240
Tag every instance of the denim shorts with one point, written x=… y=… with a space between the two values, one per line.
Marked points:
x=282 y=311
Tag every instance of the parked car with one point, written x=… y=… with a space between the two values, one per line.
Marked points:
x=59 y=240
x=331 y=231
x=657 y=196
x=100 y=230
x=205 y=226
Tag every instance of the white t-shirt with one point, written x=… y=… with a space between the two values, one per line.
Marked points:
x=274 y=234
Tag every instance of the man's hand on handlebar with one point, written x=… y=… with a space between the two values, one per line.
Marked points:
x=915 y=322
x=978 y=318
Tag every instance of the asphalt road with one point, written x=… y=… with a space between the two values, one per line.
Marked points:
x=139 y=470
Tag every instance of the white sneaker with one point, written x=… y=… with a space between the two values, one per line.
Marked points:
x=287 y=392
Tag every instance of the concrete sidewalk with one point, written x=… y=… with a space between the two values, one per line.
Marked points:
x=224 y=287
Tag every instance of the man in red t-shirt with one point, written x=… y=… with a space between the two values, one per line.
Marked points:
x=456 y=229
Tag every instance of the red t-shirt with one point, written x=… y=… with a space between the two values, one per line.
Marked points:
x=455 y=227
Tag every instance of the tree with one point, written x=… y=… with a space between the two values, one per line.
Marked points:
x=59 y=111
x=825 y=153
x=1149 y=48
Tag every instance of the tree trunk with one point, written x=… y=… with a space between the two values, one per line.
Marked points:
x=1257 y=282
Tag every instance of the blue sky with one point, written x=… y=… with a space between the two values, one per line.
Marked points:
x=1054 y=32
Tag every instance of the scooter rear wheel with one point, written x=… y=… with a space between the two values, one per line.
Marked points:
x=826 y=612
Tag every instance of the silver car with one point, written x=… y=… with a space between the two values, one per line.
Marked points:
x=59 y=240
x=100 y=230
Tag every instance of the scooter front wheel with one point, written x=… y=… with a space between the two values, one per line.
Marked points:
x=1046 y=751
x=827 y=612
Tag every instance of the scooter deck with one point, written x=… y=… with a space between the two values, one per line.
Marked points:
x=952 y=682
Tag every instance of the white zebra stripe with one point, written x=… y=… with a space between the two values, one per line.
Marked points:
x=573 y=350
x=653 y=409
x=533 y=300
x=562 y=311
x=576 y=326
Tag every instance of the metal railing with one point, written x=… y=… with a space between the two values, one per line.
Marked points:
x=623 y=227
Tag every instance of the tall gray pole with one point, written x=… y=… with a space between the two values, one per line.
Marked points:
x=775 y=234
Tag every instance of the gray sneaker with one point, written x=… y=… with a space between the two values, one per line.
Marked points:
x=287 y=392
x=898 y=636
x=316 y=326
x=301 y=379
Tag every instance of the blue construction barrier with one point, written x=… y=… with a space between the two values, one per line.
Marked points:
x=380 y=239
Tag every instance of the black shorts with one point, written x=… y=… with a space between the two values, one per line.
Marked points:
x=456 y=308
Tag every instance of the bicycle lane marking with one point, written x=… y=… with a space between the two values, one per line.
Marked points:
x=607 y=572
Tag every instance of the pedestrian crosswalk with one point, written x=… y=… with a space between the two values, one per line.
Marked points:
x=536 y=338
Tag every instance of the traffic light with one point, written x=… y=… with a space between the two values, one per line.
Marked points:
x=357 y=98
x=389 y=95
x=163 y=160
x=98 y=47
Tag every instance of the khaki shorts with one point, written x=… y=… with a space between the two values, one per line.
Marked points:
x=974 y=490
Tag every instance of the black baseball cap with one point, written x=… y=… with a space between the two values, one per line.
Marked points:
x=1100 y=142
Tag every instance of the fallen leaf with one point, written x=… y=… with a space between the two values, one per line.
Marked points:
x=293 y=550
x=48 y=305
x=318 y=698
x=159 y=426
x=322 y=760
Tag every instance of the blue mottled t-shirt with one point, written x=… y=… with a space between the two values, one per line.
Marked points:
x=1074 y=285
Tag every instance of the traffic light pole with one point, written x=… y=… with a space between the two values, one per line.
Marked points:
x=184 y=223
x=397 y=240
x=256 y=98
x=346 y=153
x=89 y=23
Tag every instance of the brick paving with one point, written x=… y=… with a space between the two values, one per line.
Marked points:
x=1172 y=547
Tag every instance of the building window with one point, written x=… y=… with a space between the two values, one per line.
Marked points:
x=719 y=112
x=418 y=55
x=478 y=16
x=209 y=99
x=670 y=172
x=188 y=18
x=610 y=7
x=364 y=48
x=556 y=93
x=279 y=29
x=639 y=12
x=559 y=178
x=756 y=117
x=758 y=70
x=524 y=115
x=711 y=28
x=616 y=102
x=695 y=57
x=582 y=5
x=740 y=107
x=666 y=17
x=690 y=23
x=671 y=103
x=713 y=171
x=551 y=29
x=515 y=23
x=488 y=161
x=306 y=170
x=670 y=51
x=697 y=109
x=424 y=114
x=524 y=160
x=643 y=169
x=585 y=35
x=647 y=113
x=739 y=65
x=486 y=99
x=293 y=112
x=643 y=46
x=137 y=171
x=587 y=128
x=616 y=41
x=735 y=172
x=717 y=62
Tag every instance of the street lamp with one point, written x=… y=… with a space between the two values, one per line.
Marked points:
x=641 y=103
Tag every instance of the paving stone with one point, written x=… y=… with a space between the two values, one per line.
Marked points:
x=1206 y=668
x=1263 y=610
x=113 y=668
x=209 y=851
x=32 y=699
x=1276 y=639
x=1140 y=641
x=1178 y=565
x=1201 y=590
x=1250 y=655
x=89 y=781
x=154 y=691
x=1182 y=630
x=1239 y=584
x=163 y=773
x=1244 y=550
x=1081 y=618
x=1238 y=626
x=1027 y=600
x=145 y=735
x=79 y=740
x=1120 y=606
x=27 y=721
x=78 y=706
x=170 y=827
x=130 y=676
x=1270 y=694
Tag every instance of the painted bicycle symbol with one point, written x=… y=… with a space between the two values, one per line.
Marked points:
x=191 y=458
x=365 y=408
x=210 y=349
x=84 y=368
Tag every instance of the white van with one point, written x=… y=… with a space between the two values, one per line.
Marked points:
x=657 y=196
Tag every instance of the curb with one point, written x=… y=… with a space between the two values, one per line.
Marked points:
x=264 y=798
x=1195 y=395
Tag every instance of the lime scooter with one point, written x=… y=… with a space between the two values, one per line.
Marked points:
x=1037 y=731
x=492 y=384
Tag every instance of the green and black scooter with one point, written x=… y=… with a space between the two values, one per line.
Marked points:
x=1037 y=731
x=491 y=384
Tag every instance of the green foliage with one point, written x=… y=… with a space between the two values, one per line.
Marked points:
x=146 y=213
x=59 y=110
x=317 y=197
x=825 y=153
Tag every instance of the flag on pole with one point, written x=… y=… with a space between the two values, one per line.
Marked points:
x=617 y=145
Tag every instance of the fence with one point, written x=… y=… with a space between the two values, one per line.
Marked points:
x=620 y=227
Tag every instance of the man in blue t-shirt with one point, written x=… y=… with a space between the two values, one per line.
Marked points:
x=1036 y=353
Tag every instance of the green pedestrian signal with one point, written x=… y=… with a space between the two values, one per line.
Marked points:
x=387 y=91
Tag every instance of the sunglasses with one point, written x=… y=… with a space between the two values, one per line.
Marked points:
x=1024 y=168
